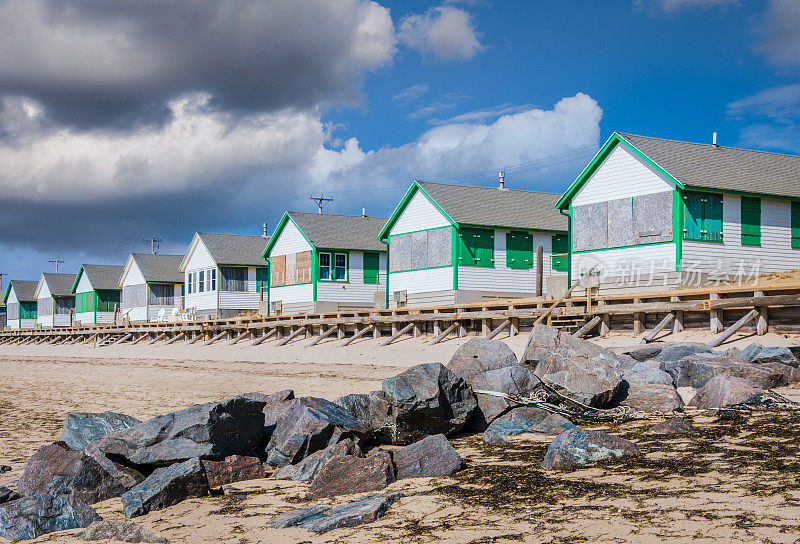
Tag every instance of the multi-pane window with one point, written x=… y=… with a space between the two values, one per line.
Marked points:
x=333 y=266
x=340 y=267
x=64 y=305
x=234 y=278
x=201 y=282
x=162 y=295
x=213 y=281
x=703 y=217
x=324 y=266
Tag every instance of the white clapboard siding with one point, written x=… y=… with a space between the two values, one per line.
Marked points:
x=137 y=313
x=625 y=261
x=105 y=317
x=419 y=214
x=202 y=301
x=621 y=175
x=28 y=324
x=421 y=281
x=61 y=320
x=774 y=255
x=431 y=298
x=290 y=294
x=229 y=300
x=290 y=240
x=84 y=286
x=134 y=275
x=354 y=291
x=86 y=318
x=200 y=259
x=45 y=321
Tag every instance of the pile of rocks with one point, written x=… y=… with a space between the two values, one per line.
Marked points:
x=336 y=446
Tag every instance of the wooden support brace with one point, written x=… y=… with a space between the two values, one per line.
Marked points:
x=499 y=329
x=157 y=338
x=357 y=335
x=677 y=324
x=322 y=336
x=416 y=329
x=720 y=338
x=650 y=336
x=639 y=319
x=241 y=336
x=196 y=337
x=54 y=340
x=397 y=335
x=486 y=327
x=715 y=316
x=292 y=336
x=175 y=338
x=442 y=335
x=263 y=337
x=514 y=331
x=142 y=337
x=123 y=339
x=215 y=338
x=588 y=326
x=553 y=306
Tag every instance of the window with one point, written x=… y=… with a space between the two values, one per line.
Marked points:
x=277 y=265
x=201 y=283
x=27 y=310
x=189 y=283
x=519 y=250
x=340 y=267
x=64 y=305
x=371 y=267
x=476 y=247
x=108 y=301
x=162 y=295
x=262 y=279
x=234 y=279
x=212 y=273
x=751 y=221
x=559 y=249
x=324 y=266
x=703 y=217
x=796 y=225
x=84 y=302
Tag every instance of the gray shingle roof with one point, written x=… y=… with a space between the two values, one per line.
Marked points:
x=490 y=206
x=24 y=289
x=235 y=249
x=59 y=284
x=331 y=231
x=159 y=268
x=103 y=276
x=723 y=168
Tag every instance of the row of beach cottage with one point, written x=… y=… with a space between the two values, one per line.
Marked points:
x=645 y=211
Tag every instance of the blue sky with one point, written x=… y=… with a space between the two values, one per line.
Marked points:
x=124 y=122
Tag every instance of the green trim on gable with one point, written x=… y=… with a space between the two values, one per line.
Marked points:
x=278 y=230
x=8 y=292
x=384 y=233
x=77 y=280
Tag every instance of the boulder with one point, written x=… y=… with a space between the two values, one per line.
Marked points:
x=212 y=431
x=166 y=486
x=576 y=368
x=7 y=494
x=581 y=446
x=54 y=469
x=127 y=477
x=696 y=371
x=647 y=373
x=553 y=425
x=510 y=380
x=675 y=351
x=307 y=469
x=427 y=399
x=479 y=355
x=320 y=519
x=276 y=405
x=756 y=353
x=81 y=428
x=236 y=468
x=344 y=475
x=4 y=469
x=121 y=531
x=524 y=419
x=651 y=397
x=722 y=391
x=31 y=517
x=643 y=353
x=785 y=374
x=431 y=456
x=676 y=425
x=371 y=408
x=311 y=425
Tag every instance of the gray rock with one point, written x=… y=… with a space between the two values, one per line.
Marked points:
x=7 y=494
x=676 y=425
x=371 y=408
x=307 y=469
x=54 y=469
x=696 y=371
x=675 y=351
x=524 y=419
x=553 y=425
x=479 y=355
x=756 y=353
x=165 y=487
x=311 y=425
x=651 y=397
x=576 y=368
x=643 y=353
x=81 y=428
x=647 y=373
x=427 y=399
x=31 y=517
x=211 y=431
x=345 y=475
x=320 y=519
x=431 y=456
x=236 y=468
x=511 y=380
x=581 y=446
x=122 y=531
x=723 y=391
x=126 y=476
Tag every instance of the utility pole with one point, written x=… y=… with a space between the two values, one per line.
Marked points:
x=1 y=280
x=153 y=244
x=56 y=262
x=321 y=200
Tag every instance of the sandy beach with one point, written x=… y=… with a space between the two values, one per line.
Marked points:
x=727 y=483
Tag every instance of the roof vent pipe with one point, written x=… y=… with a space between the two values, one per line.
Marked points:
x=363 y=212
x=714 y=140
x=502 y=177
x=264 y=230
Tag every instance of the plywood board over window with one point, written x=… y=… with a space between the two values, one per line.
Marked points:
x=419 y=250
x=440 y=247
x=291 y=269
x=620 y=223
x=652 y=218
x=590 y=226
x=400 y=253
x=304 y=264
x=278 y=267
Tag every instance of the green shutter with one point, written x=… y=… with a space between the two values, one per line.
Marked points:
x=796 y=225
x=703 y=217
x=559 y=248
x=712 y=217
x=519 y=250
x=476 y=247
x=560 y=244
x=262 y=279
x=694 y=216
x=371 y=266
x=751 y=221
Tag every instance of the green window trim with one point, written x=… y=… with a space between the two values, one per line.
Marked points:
x=371 y=266
x=559 y=250
x=796 y=225
x=751 y=221
x=702 y=217
x=262 y=279
x=519 y=250
x=476 y=247
x=334 y=257
x=85 y=302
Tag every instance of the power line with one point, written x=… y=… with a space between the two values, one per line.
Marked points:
x=321 y=201
x=56 y=262
x=153 y=244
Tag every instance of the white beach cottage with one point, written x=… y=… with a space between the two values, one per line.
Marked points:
x=664 y=212
x=20 y=301
x=453 y=244
x=326 y=262
x=55 y=301
x=97 y=293
x=224 y=274
x=152 y=287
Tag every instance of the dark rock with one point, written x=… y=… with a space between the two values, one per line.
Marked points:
x=734 y=417
x=121 y=531
x=678 y=350
x=307 y=469
x=643 y=353
x=553 y=425
x=427 y=399
x=311 y=425
x=166 y=486
x=81 y=428
x=494 y=437
x=211 y=431
x=786 y=375
x=31 y=517
x=127 y=477
x=236 y=468
x=431 y=456
x=55 y=469
x=647 y=373
x=320 y=519
x=479 y=355
x=371 y=408
x=581 y=446
x=276 y=405
x=344 y=475
x=676 y=425
x=652 y=397
x=7 y=494
x=511 y=380
x=524 y=419
x=722 y=391
x=576 y=368
x=696 y=371
x=756 y=353
x=4 y=469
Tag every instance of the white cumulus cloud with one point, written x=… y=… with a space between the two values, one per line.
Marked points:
x=445 y=33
